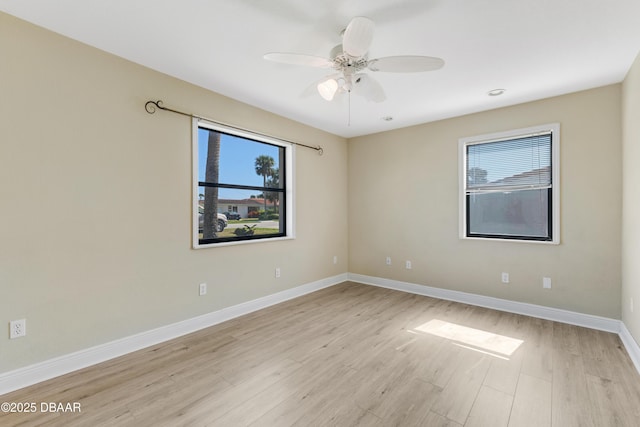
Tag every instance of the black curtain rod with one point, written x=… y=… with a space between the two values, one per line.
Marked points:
x=151 y=107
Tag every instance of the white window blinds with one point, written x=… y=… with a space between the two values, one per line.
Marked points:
x=511 y=164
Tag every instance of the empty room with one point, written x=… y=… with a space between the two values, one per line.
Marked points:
x=337 y=213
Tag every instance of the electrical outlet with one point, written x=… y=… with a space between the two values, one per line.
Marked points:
x=277 y=272
x=17 y=328
x=202 y=289
x=631 y=304
x=335 y=259
x=505 y=277
x=407 y=265
x=388 y=260
x=546 y=282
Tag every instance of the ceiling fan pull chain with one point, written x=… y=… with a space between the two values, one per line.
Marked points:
x=349 y=115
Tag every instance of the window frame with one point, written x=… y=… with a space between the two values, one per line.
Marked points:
x=288 y=193
x=554 y=200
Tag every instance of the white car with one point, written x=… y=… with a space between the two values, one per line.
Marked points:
x=222 y=222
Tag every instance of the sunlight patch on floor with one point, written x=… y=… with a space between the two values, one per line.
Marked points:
x=474 y=339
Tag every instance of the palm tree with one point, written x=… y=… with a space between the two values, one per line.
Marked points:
x=264 y=168
x=210 y=214
x=273 y=182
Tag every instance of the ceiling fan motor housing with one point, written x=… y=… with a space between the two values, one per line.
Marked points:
x=346 y=63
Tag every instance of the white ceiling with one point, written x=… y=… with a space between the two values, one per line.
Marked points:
x=533 y=48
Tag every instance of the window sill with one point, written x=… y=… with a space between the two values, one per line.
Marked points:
x=242 y=242
x=490 y=239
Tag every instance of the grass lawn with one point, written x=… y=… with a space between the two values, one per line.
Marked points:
x=229 y=232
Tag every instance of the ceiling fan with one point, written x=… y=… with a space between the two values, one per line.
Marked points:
x=350 y=58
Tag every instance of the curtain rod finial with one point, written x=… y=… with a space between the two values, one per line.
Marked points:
x=151 y=106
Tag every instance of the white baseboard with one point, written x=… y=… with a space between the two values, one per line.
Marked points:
x=555 y=314
x=548 y=313
x=23 y=377
x=631 y=345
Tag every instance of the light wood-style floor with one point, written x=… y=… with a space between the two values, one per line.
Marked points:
x=356 y=355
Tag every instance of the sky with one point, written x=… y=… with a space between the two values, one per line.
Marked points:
x=237 y=162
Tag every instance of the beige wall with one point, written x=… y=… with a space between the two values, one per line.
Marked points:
x=631 y=200
x=96 y=201
x=403 y=192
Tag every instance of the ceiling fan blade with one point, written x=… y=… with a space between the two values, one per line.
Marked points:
x=405 y=64
x=358 y=36
x=366 y=86
x=299 y=59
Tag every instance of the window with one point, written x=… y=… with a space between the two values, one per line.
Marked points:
x=510 y=185
x=242 y=186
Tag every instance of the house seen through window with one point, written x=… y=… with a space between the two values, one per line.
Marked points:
x=242 y=186
x=510 y=185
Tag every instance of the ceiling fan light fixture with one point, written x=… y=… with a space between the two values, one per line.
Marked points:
x=328 y=88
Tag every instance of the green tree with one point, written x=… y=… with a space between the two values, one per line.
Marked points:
x=273 y=182
x=476 y=176
x=264 y=167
